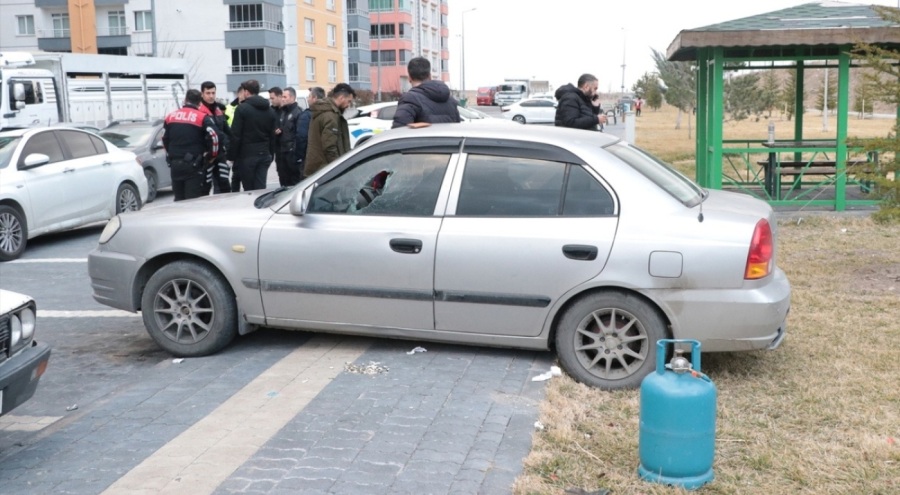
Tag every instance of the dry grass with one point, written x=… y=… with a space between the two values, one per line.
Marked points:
x=819 y=415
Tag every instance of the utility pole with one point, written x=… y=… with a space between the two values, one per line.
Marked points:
x=623 y=61
x=463 y=57
x=378 y=37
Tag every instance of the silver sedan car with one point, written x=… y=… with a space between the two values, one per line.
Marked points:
x=543 y=238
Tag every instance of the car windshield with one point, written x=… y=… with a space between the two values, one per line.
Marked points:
x=128 y=137
x=663 y=175
x=7 y=147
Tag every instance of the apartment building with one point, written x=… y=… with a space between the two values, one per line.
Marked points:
x=298 y=43
x=401 y=30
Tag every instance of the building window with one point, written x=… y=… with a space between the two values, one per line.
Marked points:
x=143 y=20
x=381 y=31
x=405 y=6
x=332 y=35
x=255 y=16
x=405 y=56
x=384 y=57
x=308 y=2
x=257 y=60
x=353 y=39
x=25 y=25
x=355 y=7
x=353 y=69
x=116 y=19
x=332 y=71
x=381 y=5
x=60 y=25
x=329 y=4
x=310 y=69
x=309 y=28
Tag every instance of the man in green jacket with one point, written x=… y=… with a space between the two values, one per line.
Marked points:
x=329 y=135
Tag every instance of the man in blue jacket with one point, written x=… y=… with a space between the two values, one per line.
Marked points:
x=427 y=101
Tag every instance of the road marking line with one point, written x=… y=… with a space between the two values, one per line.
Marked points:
x=44 y=313
x=50 y=260
x=206 y=454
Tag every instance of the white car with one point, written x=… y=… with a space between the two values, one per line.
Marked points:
x=22 y=359
x=531 y=111
x=374 y=119
x=57 y=178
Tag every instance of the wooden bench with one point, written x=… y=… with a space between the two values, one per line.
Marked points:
x=796 y=170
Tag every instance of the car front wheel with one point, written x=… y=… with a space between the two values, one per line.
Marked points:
x=608 y=340
x=127 y=199
x=152 y=184
x=189 y=309
x=520 y=119
x=13 y=233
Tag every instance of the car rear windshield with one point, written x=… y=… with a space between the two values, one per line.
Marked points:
x=129 y=137
x=666 y=177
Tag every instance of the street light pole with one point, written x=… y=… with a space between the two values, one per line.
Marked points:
x=623 y=61
x=462 y=61
x=378 y=37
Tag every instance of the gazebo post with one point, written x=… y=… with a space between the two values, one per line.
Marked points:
x=702 y=151
x=798 y=105
x=716 y=116
x=843 y=107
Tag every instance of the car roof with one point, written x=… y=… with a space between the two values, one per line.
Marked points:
x=14 y=132
x=549 y=135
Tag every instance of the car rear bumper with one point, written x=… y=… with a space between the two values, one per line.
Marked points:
x=742 y=319
x=20 y=374
x=112 y=278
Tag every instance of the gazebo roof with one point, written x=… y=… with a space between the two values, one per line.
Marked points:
x=827 y=23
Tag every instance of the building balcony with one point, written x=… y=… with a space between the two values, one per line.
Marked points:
x=54 y=40
x=254 y=38
x=269 y=25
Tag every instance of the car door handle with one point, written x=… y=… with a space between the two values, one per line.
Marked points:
x=406 y=246
x=106 y=163
x=67 y=170
x=580 y=252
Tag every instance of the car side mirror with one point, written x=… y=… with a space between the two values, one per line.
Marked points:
x=19 y=93
x=300 y=202
x=36 y=160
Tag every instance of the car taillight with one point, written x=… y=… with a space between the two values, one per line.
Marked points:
x=759 y=259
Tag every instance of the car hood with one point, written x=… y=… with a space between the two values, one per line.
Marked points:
x=201 y=210
x=10 y=300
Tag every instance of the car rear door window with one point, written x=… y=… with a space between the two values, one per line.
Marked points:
x=45 y=143
x=517 y=187
x=394 y=183
x=99 y=144
x=78 y=143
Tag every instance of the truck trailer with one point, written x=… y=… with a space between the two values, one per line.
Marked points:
x=93 y=90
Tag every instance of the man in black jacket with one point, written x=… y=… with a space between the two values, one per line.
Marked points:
x=253 y=138
x=285 y=163
x=427 y=101
x=579 y=108
x=218 y=171
x=191 y=141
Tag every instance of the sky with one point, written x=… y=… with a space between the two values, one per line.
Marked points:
x=558 y=40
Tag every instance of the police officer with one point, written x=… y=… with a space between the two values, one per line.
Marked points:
x=191 y=142
x=285 y=163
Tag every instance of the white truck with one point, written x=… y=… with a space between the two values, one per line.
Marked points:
x=513 y=90
x=92 y=90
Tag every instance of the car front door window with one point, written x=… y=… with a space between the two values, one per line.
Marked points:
x=404 y=184
x=44 y=143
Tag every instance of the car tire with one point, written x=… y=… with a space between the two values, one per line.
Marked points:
x=518 y=118
x=189 y=309
x=608 y=340
x=152 y=183
x=13 y=233
x=127 y=198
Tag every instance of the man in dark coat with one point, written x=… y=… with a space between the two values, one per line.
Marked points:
x=579 y=108
x=329 y=134
x=285 y=163
x=218 y=172
x=302 y=138
x=427 y=101
x=191 y=141
x=253 y=138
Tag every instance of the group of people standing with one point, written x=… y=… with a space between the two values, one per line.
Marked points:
x=223 y=148
x=226 y=148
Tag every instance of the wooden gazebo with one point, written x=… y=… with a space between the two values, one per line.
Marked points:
x=809 y=36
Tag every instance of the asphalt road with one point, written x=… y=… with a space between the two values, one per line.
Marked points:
x=276 y=412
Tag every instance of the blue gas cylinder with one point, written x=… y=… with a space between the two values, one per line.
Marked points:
x=678 y=421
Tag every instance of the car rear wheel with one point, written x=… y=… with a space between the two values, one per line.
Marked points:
x=189 y=309
x=608 y=340
x=520 y=119
x=127 y=199
x=152 y=184
x=13 y=233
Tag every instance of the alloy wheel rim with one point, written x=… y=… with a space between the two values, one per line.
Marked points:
x=127 y=200
x=184 y=312
x=10 y=233
x=611 y=343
